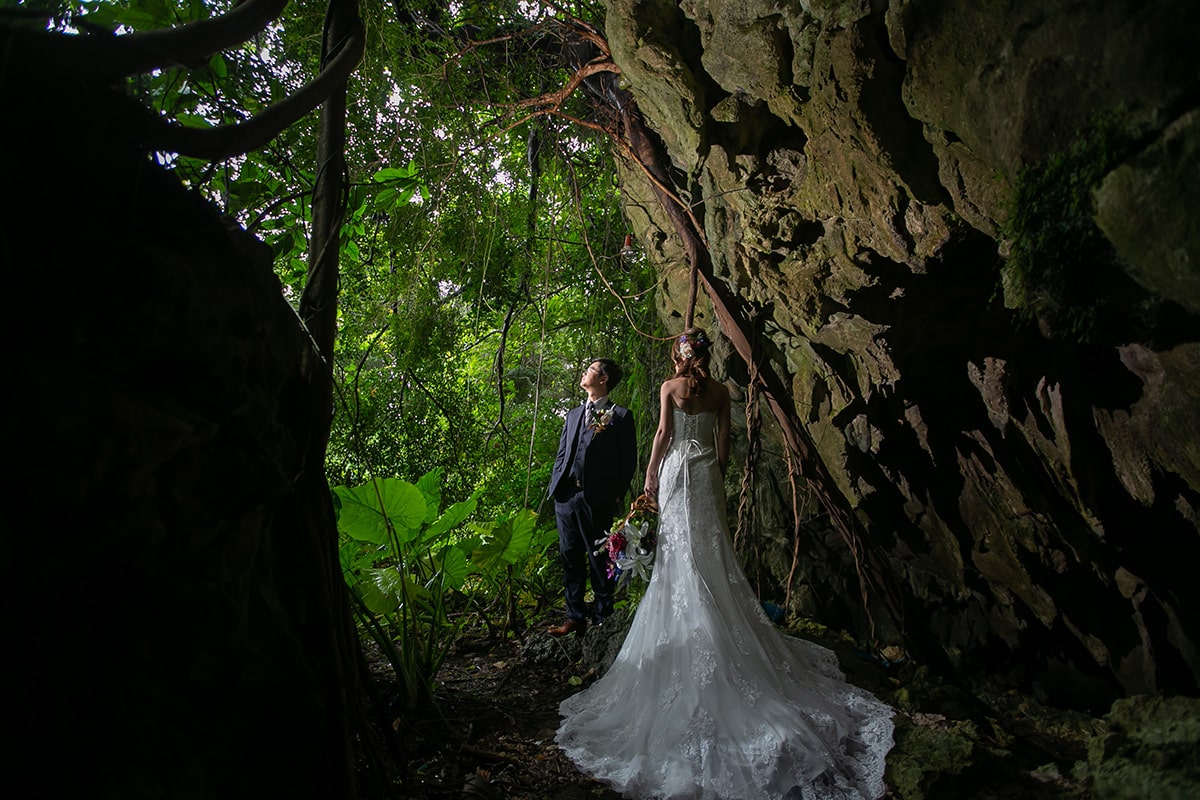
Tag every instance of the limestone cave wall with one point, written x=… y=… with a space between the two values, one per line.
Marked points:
x=864 y=172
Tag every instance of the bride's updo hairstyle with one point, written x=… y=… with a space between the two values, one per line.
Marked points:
x=689 y=350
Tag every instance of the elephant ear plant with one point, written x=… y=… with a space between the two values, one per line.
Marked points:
x=402 y=558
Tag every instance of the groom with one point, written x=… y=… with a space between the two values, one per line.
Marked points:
x=592 y=471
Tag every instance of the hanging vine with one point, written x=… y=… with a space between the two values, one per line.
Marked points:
x=617 y=115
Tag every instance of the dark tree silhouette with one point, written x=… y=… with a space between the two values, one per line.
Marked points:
x=177 y=618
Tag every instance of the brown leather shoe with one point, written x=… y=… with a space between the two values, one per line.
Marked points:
x=570 y=626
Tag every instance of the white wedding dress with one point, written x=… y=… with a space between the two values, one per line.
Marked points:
x=707 y=699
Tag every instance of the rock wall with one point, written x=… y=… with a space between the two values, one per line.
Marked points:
x=1024 y=458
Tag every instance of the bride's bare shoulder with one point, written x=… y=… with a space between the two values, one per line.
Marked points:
x=675 y=387
x=711 y=398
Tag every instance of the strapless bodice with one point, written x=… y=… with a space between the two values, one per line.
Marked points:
x=696 y=428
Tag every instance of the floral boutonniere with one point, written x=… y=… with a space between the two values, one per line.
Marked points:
x=600 y=418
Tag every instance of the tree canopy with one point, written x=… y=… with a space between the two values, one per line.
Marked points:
x=481 y=259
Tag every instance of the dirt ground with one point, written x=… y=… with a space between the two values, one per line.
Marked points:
x=490 y=731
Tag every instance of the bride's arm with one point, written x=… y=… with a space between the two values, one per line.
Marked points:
x=662 y=438
x=723 y=428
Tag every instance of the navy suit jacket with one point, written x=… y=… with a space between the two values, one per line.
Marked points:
x=608 y=459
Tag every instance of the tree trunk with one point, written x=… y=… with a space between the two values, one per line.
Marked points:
x=175 y=615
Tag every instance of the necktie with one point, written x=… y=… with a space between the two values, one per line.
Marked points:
x=588 y=409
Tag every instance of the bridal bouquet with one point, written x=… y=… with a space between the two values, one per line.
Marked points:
x=630 y=544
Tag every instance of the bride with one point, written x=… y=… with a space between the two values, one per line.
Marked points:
x=707 y=699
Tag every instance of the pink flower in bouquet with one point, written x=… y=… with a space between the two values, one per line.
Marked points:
x=630 y=544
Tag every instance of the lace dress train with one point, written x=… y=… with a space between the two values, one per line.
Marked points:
x=707 y=699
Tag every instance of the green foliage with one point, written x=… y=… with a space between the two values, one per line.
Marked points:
x=404 y=561
x=469 y=301
x=386 y=508
x=508 y=543
x=1058 y=255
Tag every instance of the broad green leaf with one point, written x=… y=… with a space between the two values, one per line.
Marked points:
x=403 y=182
x=161 y=11
x=253 y=172
x=377 y=600
x=248 y=188
x=356 y=202
x=363 y=517
x=430 y=485
x=193 y=121
x=544 y=538
x=508 y=544
x=135 y=19
x=404 y=195
x=385 y=590
x=104 y=16
x=299 y=268
x=453 y=517
x=386 y=198
x=391 y=197
x=454 y=566
x=354 y=557
x=181 y=102
x=386 y=174
x=348 y=550
x=471 y=543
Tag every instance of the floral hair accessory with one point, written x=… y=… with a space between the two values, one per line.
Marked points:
x=688 y=343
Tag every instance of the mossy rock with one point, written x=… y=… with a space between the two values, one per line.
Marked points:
x=929 y=752
x=1151 y=750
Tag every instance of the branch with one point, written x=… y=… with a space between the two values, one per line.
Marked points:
x=318 y=302
x=98 y=61
x=225 y=141
x=499 y=366
x=552 y=100
x=101 y=60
